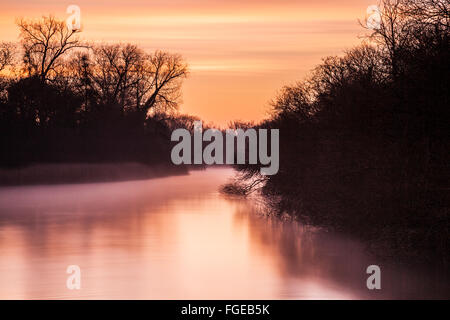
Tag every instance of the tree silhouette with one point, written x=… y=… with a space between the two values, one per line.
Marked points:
x=7 y=50
x=364 y=140
x=71 y=101
x=45 y=41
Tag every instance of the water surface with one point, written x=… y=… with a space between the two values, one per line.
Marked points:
x=178 y=238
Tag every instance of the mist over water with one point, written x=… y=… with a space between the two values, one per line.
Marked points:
x=179 y=238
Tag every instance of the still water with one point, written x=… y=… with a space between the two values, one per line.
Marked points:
x=179 y=238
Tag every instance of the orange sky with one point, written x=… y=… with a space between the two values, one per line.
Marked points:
x=240 y=52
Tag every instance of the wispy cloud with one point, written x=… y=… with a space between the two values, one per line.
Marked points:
x=250 y=47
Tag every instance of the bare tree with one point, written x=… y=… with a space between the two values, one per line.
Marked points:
x=79 y=75
x=393 y=32
x=403 y=24
x=115 y=72
x=166 y=71
x=126 y=76
x=429 y=12
x=45 y=41
x=7 y=50
x=295 y=101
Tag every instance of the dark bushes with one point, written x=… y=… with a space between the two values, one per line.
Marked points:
x=364 y=141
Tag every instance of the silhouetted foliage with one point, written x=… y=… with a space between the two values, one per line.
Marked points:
x=64 y=100
x=365 y=140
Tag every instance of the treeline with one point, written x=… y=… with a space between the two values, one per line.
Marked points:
x=65 y=100
x=365 y=139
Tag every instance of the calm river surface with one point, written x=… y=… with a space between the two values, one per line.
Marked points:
x=178 y=238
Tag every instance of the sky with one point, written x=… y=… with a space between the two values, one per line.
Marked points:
x=240 y=52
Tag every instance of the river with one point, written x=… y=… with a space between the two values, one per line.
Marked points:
x=179 y=238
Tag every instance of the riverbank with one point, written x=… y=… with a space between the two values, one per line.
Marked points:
x=392 y=229
x=412 y=235
x=62 y=173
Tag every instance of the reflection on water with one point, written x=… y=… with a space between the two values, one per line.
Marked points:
x=177 y=238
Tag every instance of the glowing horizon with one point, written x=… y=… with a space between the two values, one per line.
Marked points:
x=239 y=54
